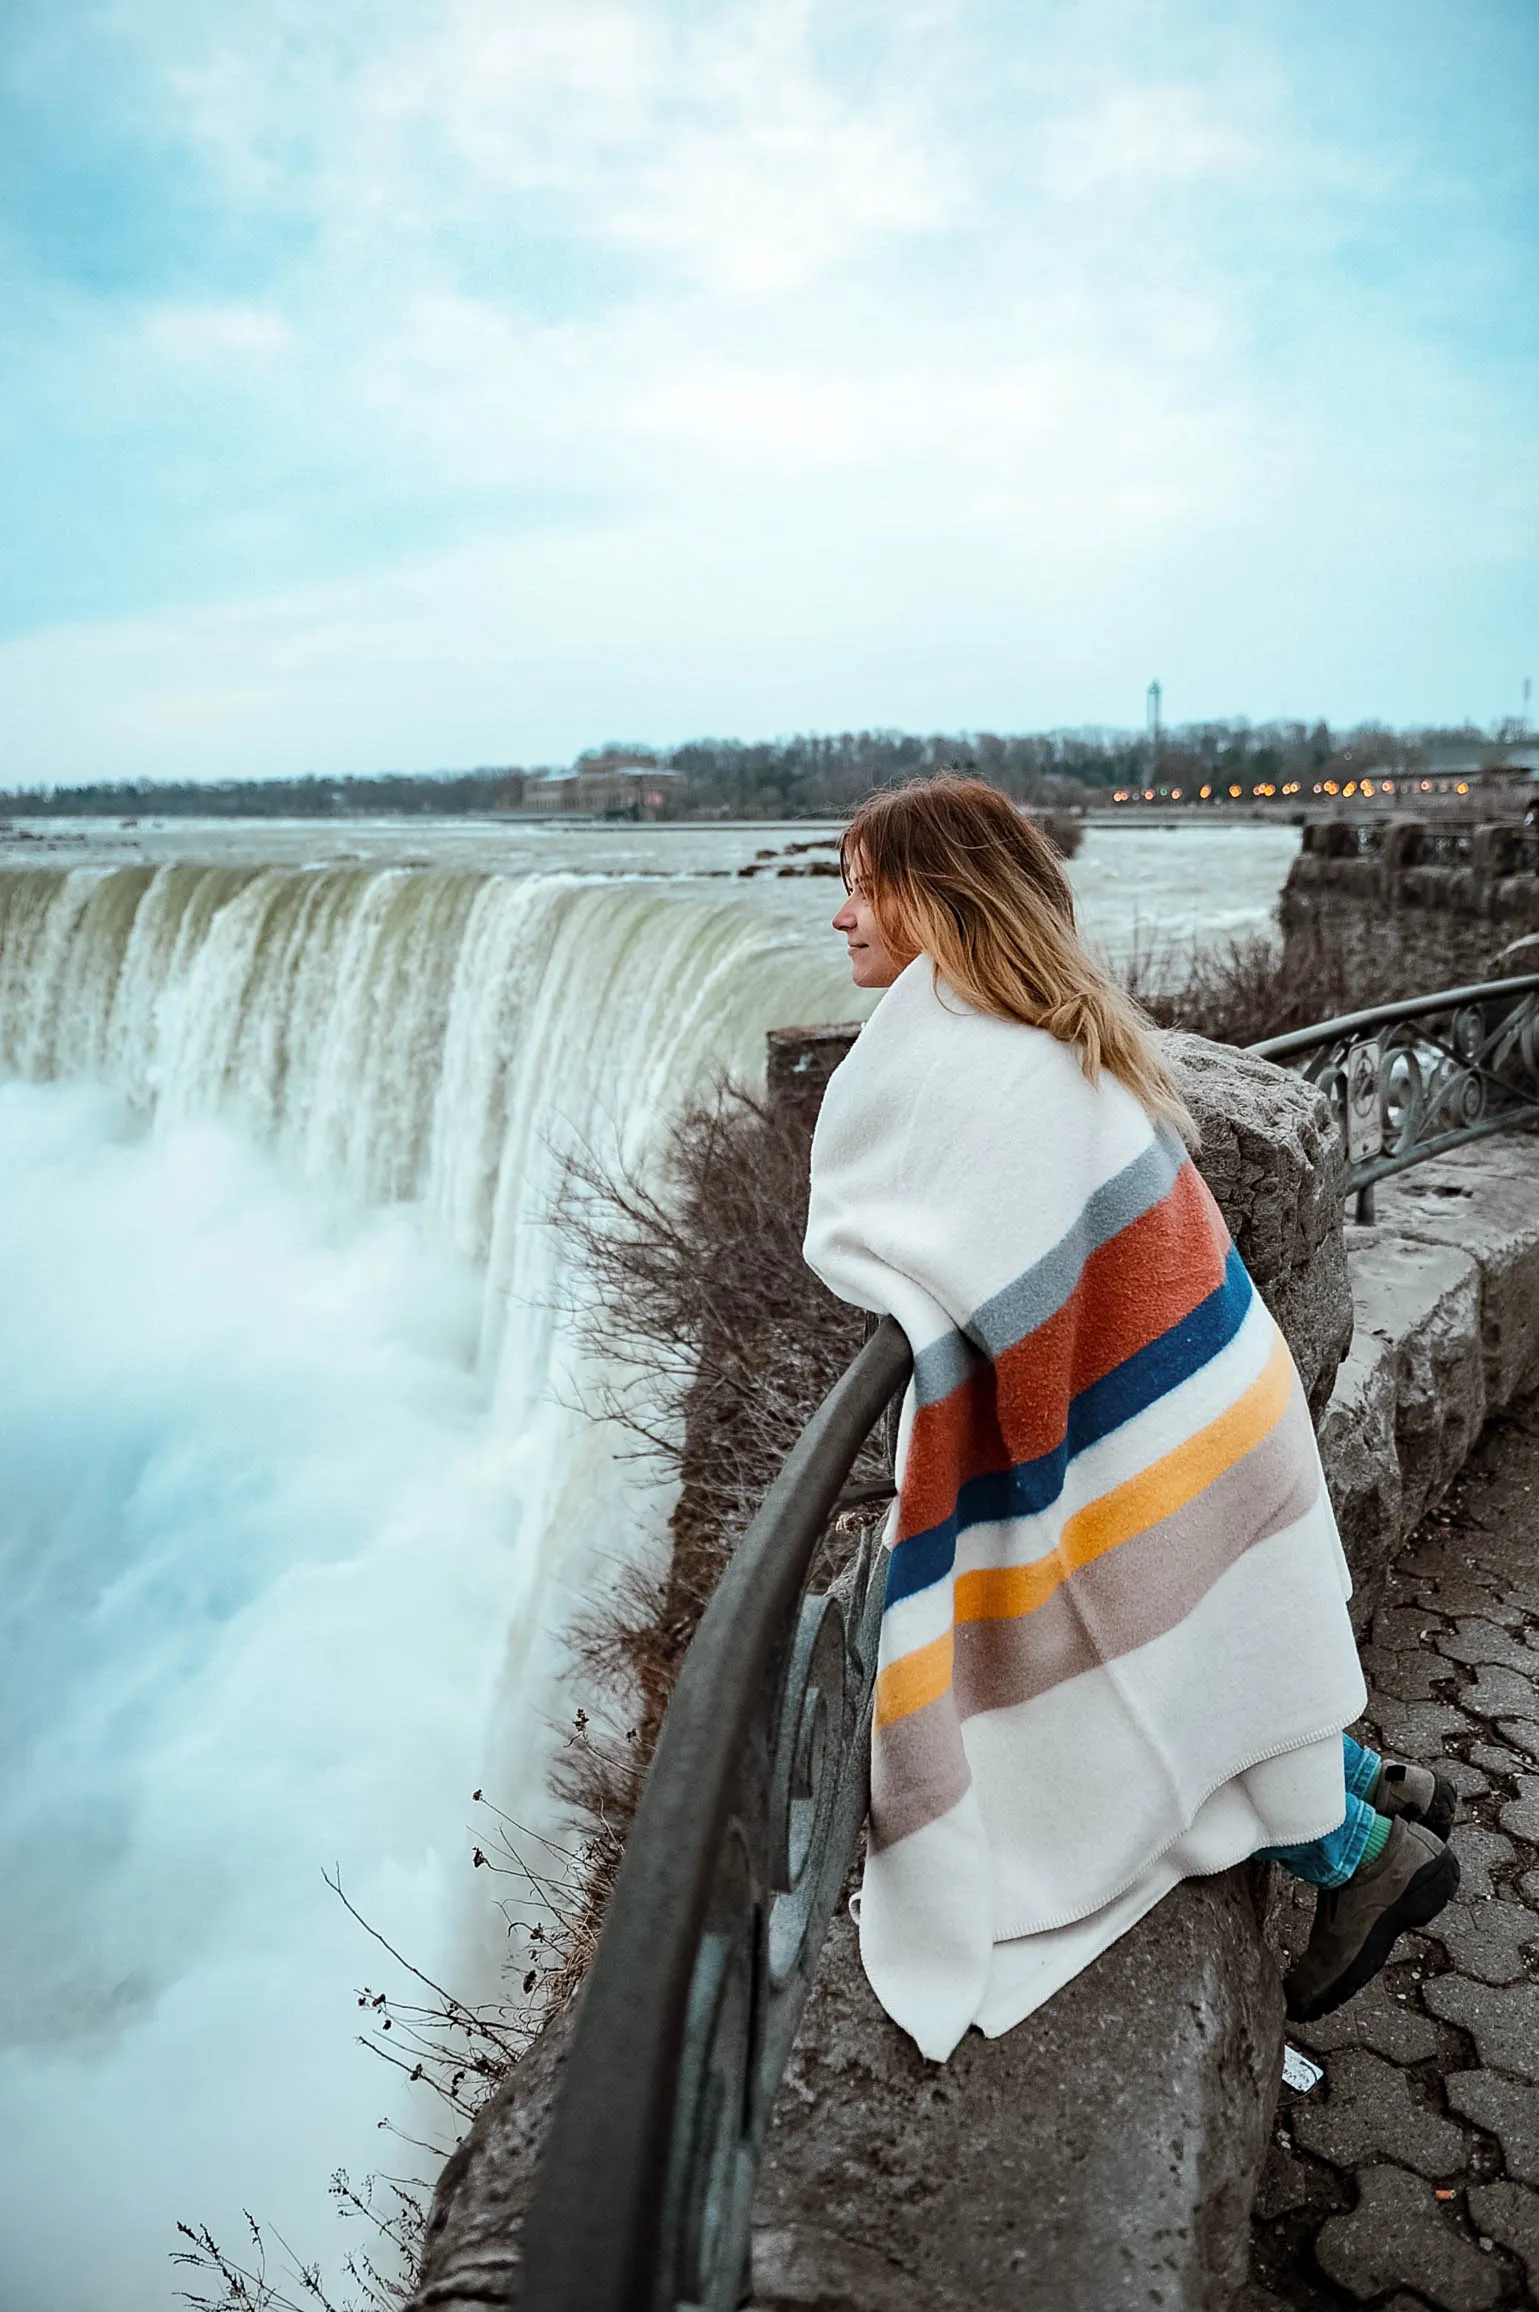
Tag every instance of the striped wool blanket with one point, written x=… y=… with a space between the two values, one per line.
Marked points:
x=1115 y=1648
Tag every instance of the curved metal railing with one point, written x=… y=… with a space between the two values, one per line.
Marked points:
x=1413 y=1079
x=730 y=1876
x=758 y=1788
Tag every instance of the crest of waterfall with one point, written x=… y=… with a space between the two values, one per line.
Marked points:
x=402 y=1036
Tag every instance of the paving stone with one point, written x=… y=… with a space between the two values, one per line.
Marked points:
x=1509 y=2109
x=1496 y=1692
x=1401 y=1626
x=1529 y=1888
x=1494 y=1759
x=1478 y=1851
x=1409 y=1674
x=1481 y=1641
x=1419 y=1730
x=1376 y=2019
x=1468 y=1781
x=1488 y=1939
x=1503 y=2023
x=1510 y=2213
x=1523 y=1734
x=1369 y=2113
x=1521 y=1814
x=1399 y=2232
x=1458 y=1592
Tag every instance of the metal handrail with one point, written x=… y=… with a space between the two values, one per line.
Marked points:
x=1386 y=1014
x=1416 y=1078
x=636 y=2196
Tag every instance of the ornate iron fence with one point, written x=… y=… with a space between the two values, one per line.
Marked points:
x=730 y=1876
x=1409 y=1080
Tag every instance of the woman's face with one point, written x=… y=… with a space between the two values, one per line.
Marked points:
x=871 y=962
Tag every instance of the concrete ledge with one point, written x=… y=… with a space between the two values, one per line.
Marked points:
x=1098 y=2155
x=1445 y=1290
x=1483 y=1201
x=1418 y=1306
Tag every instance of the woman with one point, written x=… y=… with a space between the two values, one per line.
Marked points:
x=1115 y=1648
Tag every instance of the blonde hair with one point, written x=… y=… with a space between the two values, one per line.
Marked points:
x=955 y=872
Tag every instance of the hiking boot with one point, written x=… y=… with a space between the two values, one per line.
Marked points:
x=1356 y=1924
x=1416 y=1794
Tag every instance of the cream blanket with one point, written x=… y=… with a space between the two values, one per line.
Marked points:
x=1115 y=1649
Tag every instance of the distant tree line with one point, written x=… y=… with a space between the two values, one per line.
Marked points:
x=389 y=792
x=807 y=776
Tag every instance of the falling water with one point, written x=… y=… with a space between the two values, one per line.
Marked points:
x=294 y=1497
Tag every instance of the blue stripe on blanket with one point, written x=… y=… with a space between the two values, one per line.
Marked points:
x=1130 y=1388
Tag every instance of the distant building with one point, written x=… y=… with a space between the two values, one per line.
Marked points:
x=607 y=786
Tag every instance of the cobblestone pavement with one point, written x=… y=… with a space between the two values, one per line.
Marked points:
x=1410 y=2176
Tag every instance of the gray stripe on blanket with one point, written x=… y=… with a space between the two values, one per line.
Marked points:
x=1135 y=1593
x=1040 y=1292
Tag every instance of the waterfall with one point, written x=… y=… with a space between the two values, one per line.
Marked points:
x=398 y=1035
x=294 y=1493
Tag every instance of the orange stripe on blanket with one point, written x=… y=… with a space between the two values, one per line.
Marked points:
x=920 y=1677
x=1167 y=1485
x=1139 y=1284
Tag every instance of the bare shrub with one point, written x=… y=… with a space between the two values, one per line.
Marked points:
x=1240 y=991
x=724 y=1342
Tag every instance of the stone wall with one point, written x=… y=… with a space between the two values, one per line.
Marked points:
x=1408 y=912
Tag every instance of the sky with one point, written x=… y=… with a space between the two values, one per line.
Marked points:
x=446 y=382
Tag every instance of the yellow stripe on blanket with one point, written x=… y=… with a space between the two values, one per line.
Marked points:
x=1167 y=1485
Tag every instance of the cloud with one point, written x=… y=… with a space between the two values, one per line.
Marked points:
x=201 y=333
x=562 y=301
x=1148 y=136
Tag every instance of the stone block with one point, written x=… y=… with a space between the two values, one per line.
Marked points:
x=1487 y=1940
x=1369 y=2113
x=1509 y=2213
x=1422 y=1303
x=1362 y=1467
x=1478 y=1852
x=1521 y=1815
x=1102 y=2154
x=1504 y=2024
x=1523 y=1734
x=1509 y=2111
x=1495 y=1759
x=1419 y=1730
x=1396 y=2228
x=1483 y=1200
x=1272 y=1156
x=1498 y=1692
x=1476 y=1640
x=1409 y=1674
x=1376 y=2018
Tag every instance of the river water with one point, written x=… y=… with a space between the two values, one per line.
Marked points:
x=296 y=1491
